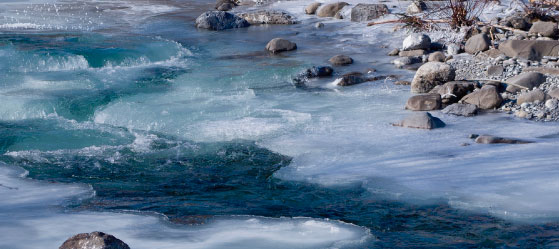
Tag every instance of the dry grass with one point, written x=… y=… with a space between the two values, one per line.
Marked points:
x=461 y=12
x=539 y=9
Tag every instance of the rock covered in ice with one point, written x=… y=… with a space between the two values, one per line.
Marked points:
x=269 y=17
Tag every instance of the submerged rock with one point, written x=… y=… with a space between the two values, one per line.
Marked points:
x=330 y=10
x=340 y=60
x=466 y=110
x=487 y=139
x=527 y=80
x=269 y=17
x=424 y=102
x=313 y=72
x=220 y=20
x=485 y=98
x=366 y=12
x=278 y=45
x=416 y=41
x=352 y=78
x=430 y=75
x=94 y=240
x=422 y=120
x=311 y=9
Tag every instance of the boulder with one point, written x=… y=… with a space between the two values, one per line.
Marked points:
x=424 y=102
x=546 y=29
x=311 y=9
x=531 y=97
x=416 y=7
x=313 y=72
x=431 y=74
x=453 y=49
x=330 y=10
x=220 y=3
x=437 y=57
x=533 y=50
x=269 y=17
x=412 y=53
x=94 y=240
x=554 y=93
x=477 y=43
x=527 y=80
x=403 y=61
x=422 y=120
x=466 y=110
x=366 y=12
x=352 y=78
x=416 y=41
x=452 y=92
x=319 y=25
x=485 y=98
x=487 y=139
x=226 y=7
x=517 y=22
x=340 y=60
x=220 y=20
x=278 y=45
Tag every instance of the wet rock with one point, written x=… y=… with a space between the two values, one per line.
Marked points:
x=487 y=139
x=352 y=78
x=94 y=240
x=311 y=9
x=495 y=70
x=269 y=17
x=466 y=110
x=412 y=53
x=422 y=120
x=431 y=74
x=394 y=52
x=477 y=43
x=452 y=92
x=527 y=80
x=403 y=61
x=366 y=12
x=313 y=72
x=546 y=29
x=220 y=20
x=416 y=7
x=319 y=25
x=416 y=41
x=437 y=57
x=341 y=60
x=402 y=83
x=278 y=45
x=330 y=10
x=485 y=98
x=424 y=102
x=536 y=95
x=529 y=49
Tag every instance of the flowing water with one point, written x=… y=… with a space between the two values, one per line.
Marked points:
x=121 y=116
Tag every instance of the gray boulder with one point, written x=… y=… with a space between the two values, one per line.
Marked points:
x=554 y=93
x=485 y=98
x=269 y=17
x=487 y=139
x=220 y=3
x=453 y=49
x=403 y=61
x=546 y=29
x=330 y=10
x=340 y=60
x=422 y=120
x=311 y=9
x=495 y=70
x=477 y=43
x=416 y=41
x=352 y=78
x=412 y=53
x=452 y=92
x=278 y=45
x=220 y=20
x=424 y=102
x=366 y=12
x=517 y=22
x=226 y=7
x=437 y=57
x=466 y=110
x=533 y=50
x=531 y=97
x=94 y=240
x=431 y=74
x=527 y=80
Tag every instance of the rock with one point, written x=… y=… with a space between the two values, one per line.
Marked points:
x=452 y=92
x=554 y=93
x=546 y=29
x=313 y=72
x=341 y=60
x=485 y=98
x=269 y=17
x=394 y=52
x=366 y=12
x=487 y=139
x=551 y=104
x=220 y=3
x=402 y=83
x=352 y=78
x=527 y=80
x=403 y=61
x=220 y=20
x=516 y=22
x=494 y=53
x=466 y=110
x=416 y=7
x=453 y=49
x=431 y=74
x=311 y=9
x=330 y=10
x=94 y=240
x=529 y=49
x=495 y=70
x=531 y=97
x=437 y=57
x=477 y=43
x=424 y=102
x=422 y=120
x=412 y=53
x=226 y=7
x=416 y=41
x=278 y=45
x=319 y=25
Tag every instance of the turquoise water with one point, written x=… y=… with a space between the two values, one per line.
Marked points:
x=159 y=117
